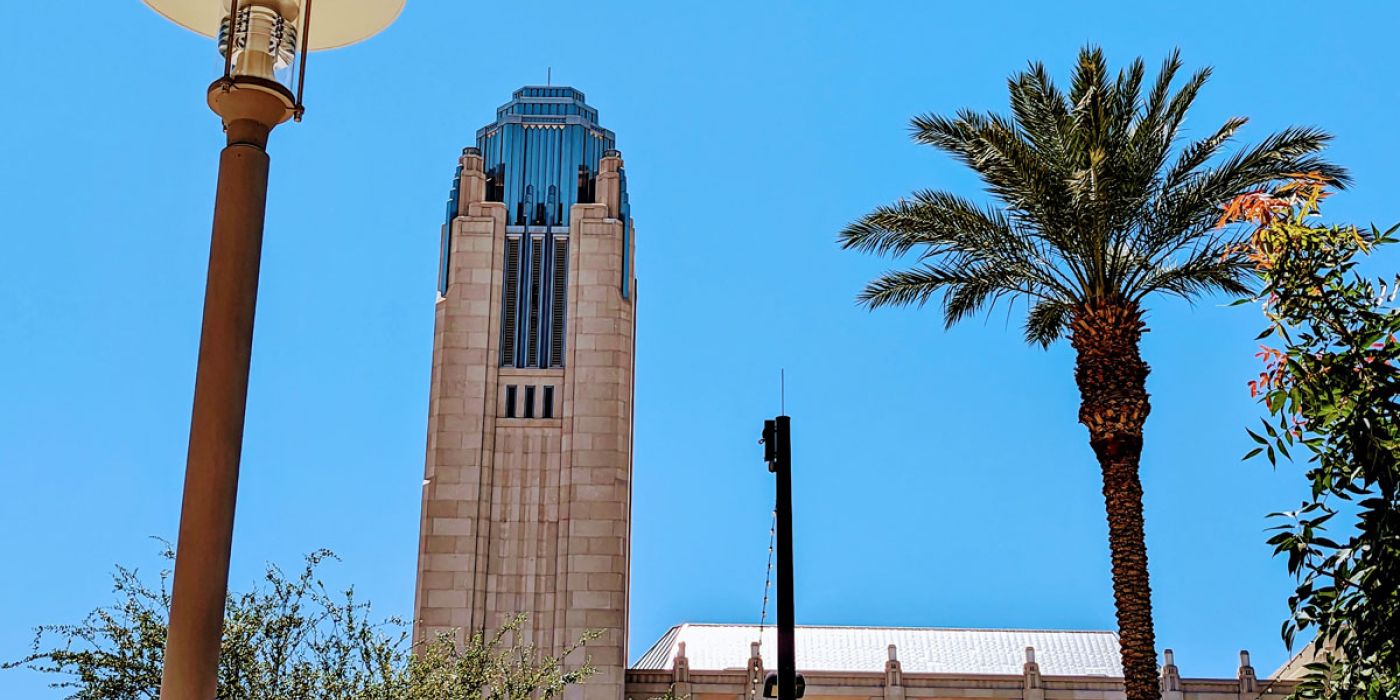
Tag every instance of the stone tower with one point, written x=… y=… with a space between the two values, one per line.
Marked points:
x=527 y=489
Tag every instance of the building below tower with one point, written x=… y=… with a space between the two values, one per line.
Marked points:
x=730 y=662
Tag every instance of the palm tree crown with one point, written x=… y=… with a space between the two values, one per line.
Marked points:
x=1097 y=204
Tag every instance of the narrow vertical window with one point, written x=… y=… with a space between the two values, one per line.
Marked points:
x=547 y=410
x=510 y=302
x=529 y=402
x=558 y=322
x=532 y=317
x=510 y=401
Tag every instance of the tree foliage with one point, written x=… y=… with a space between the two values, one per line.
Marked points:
x=1097 y=198
x=293 y=638
x=1330 y=388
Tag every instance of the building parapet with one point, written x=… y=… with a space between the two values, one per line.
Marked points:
x=875 y=685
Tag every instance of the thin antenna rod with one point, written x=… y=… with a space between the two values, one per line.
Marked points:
x=549 y=76
x=782 y=392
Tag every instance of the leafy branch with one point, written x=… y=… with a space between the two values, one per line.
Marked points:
x=1331 y=389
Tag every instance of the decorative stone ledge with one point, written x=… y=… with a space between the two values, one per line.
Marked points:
x=876 y=685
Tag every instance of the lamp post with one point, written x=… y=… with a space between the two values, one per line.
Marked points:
x=258 y=38
x=777 y=452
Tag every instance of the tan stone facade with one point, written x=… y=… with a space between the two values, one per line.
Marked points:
x=532 y=515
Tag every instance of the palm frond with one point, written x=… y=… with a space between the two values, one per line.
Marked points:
x=1041 y=113
x=933 y=219
x=969 y=296
x=1199 y=274
x=1200 y=152
x=1158 y=98
x=1090 y=75
x=1183 y=99
x=1047 y=321
x=965 y=288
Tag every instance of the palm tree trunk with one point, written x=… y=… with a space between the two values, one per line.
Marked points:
x=1114 y=405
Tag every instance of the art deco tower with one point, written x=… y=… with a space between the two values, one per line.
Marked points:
x=527 y=491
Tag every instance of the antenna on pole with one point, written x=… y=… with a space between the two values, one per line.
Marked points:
x=782 y=392
x=549 y=75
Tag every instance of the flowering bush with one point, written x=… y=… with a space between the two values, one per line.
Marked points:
x=1330 y=388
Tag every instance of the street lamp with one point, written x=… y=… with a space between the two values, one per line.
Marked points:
x=787 y=683
x=258 y=39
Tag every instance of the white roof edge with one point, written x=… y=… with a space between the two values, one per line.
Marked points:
x=858 y=648
x=902 y=627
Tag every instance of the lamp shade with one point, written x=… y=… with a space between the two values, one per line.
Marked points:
x=334 y=23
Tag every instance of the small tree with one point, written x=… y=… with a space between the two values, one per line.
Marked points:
x=292 y=638
x=1331 y=388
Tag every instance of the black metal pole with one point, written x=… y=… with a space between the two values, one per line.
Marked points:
x=787 y=649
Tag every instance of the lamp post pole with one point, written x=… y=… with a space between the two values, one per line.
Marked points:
x=257 y=38
x=250 y=109
x=777 y=440
x=787 y=643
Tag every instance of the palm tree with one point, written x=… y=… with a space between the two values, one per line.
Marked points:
x=1096 y=209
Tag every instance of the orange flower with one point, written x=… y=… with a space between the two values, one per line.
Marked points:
x=1259 y=207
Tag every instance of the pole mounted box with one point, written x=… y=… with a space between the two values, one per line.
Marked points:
x=770 y=686
x=770 y=444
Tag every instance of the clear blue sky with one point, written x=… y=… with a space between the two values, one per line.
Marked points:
x=941 y=477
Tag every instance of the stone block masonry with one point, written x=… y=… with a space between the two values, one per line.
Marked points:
x=531 y=513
